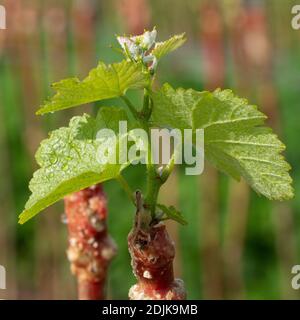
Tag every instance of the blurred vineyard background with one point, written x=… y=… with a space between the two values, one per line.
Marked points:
x=237 y=244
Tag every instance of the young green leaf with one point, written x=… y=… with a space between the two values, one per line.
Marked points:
x=173 y=108
x=103 y=82
x=172 y=213
x=163 y=48
x=235 y=141
x=68 y=160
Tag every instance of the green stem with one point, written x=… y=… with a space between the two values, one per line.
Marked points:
x=153 y=186
x=124 y=184
x=154 y=179
x=147 y=106
x=168 y=169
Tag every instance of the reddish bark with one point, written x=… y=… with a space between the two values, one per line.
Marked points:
x=90 y=247
x=152 y=254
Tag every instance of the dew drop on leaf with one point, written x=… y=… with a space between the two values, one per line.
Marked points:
x=53 y=158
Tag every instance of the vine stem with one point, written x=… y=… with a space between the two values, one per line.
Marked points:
x=152 y=254
x=154 y=179
x=151 y=249
x=168 y=169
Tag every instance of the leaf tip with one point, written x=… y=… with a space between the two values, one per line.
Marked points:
x=39 y=112
x=21 y=218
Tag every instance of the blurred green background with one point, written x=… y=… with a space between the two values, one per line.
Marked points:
x=237 y=245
